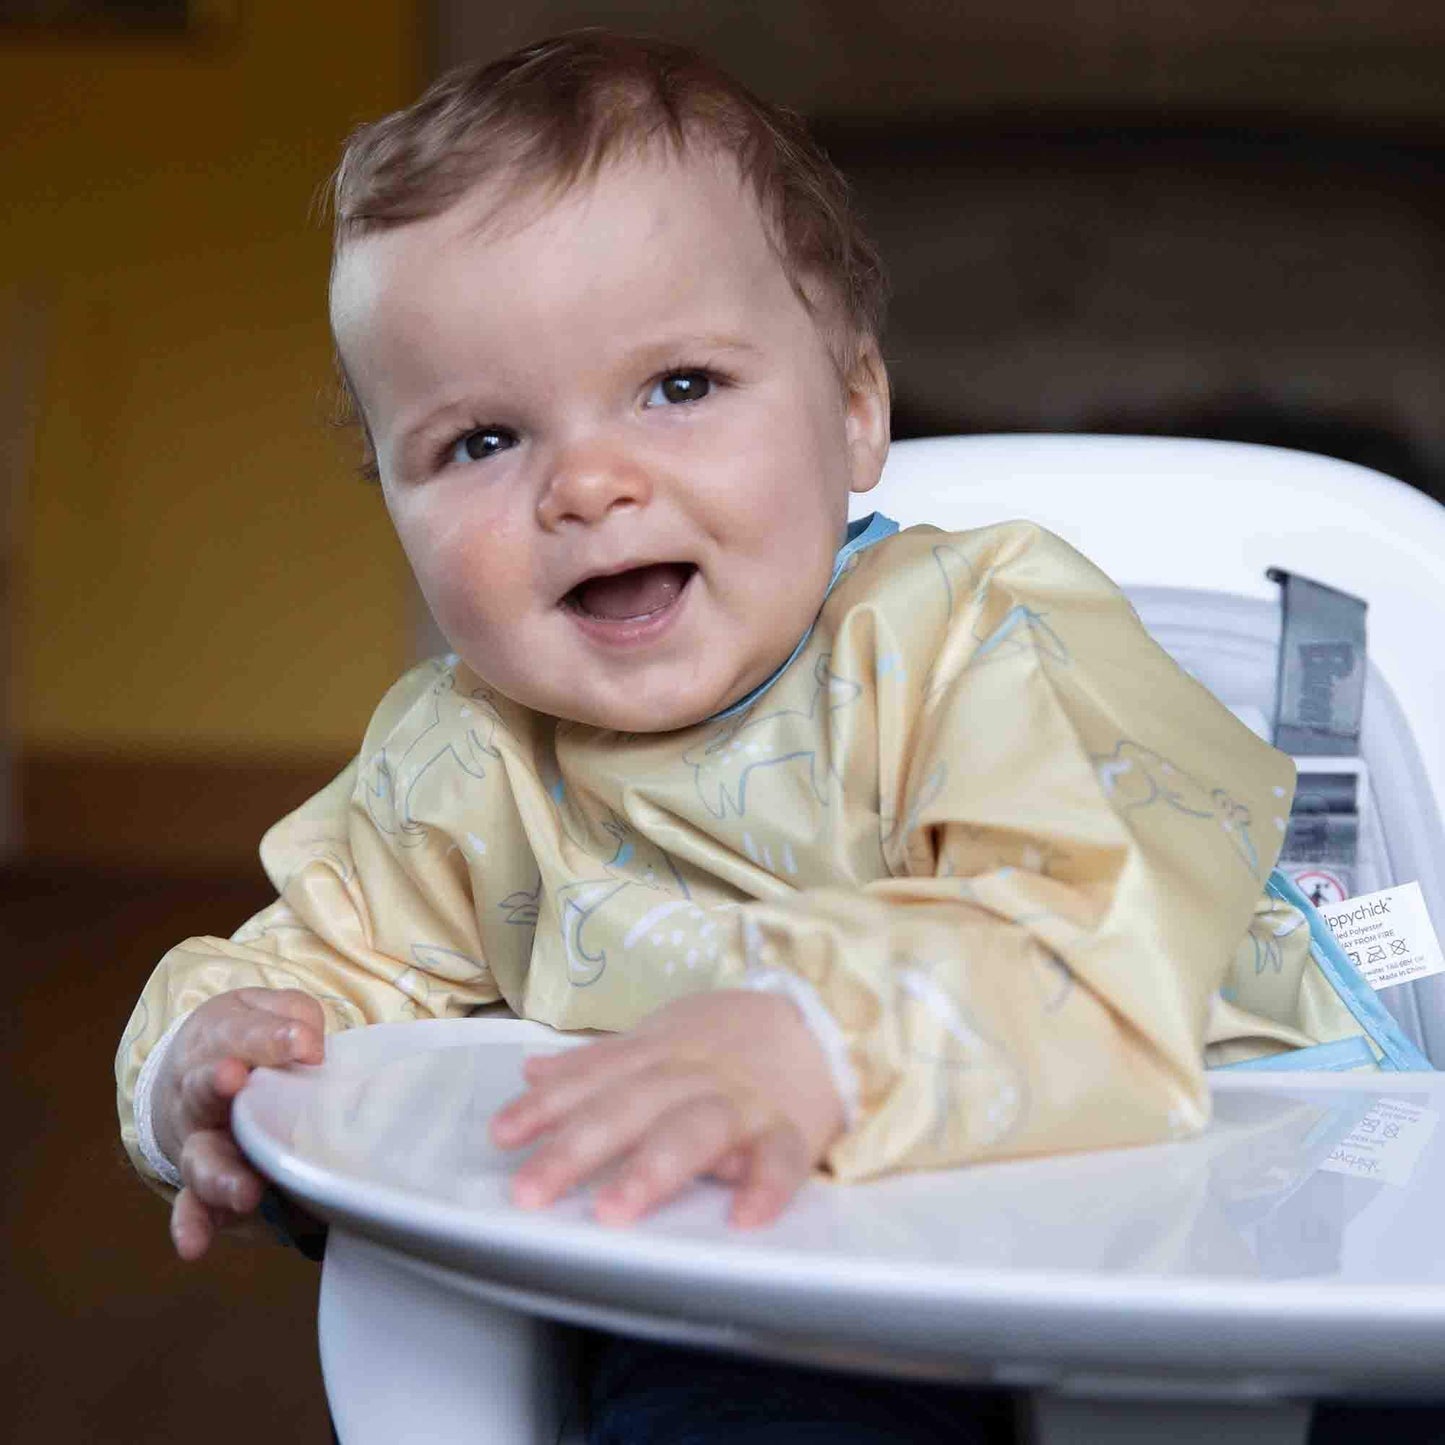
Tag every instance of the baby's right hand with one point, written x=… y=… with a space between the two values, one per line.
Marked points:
x=206 y=1065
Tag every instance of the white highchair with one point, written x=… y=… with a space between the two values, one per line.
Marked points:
x=409 y=1355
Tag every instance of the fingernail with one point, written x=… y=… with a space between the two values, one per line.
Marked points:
x=751 y=1214
x=508 y=1124
x=621 y=1201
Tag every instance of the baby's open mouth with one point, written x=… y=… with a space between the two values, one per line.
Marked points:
x=636 y=593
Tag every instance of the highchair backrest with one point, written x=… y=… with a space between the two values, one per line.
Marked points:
x=1190 y=529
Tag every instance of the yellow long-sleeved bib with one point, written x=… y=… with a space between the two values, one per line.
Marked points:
x=1012 y=847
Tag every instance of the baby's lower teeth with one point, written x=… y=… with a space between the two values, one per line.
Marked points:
x=634 y=617
x=632 y=596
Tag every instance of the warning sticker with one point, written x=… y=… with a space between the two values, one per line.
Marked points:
x=1387 y=935
x=1321 y=886
x=1386 y=1144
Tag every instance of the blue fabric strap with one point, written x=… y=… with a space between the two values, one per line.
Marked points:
x=1339 y=1056
x=1352 y=987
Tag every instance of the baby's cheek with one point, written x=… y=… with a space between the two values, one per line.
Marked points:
x=480 y=585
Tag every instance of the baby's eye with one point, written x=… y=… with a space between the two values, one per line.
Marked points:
x=678 y=386
x=483 y=442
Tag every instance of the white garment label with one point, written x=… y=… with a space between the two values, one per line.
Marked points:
x=1388 y=935
x=1386 y=1144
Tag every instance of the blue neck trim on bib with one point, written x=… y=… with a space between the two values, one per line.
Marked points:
x=861 y=535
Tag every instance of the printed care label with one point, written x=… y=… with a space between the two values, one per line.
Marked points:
x=1387 y=935
x=1386 y=1144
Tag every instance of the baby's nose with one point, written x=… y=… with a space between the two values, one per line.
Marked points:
x=587 y=483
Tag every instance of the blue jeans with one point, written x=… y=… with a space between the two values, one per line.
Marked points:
x=646 y=1394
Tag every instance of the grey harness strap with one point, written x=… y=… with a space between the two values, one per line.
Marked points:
x=1319 y=707
x=1320 y=687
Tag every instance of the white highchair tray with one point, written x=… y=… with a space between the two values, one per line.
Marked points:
x=1298 y=1238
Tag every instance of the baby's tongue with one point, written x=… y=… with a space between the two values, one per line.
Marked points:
x=632 y=594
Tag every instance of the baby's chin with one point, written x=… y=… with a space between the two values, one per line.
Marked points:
x=638 y=713
x=644 y=718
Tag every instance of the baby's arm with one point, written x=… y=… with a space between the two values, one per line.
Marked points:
x=365 y=932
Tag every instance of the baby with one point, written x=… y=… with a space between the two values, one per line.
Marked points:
x=872 y=850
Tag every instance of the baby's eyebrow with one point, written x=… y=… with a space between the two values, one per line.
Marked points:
x=681 y=346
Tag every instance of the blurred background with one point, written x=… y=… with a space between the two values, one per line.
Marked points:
x=1206 y=217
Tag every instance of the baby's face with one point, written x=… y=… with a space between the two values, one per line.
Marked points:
x=612 y=438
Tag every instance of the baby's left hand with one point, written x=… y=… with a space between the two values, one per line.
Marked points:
x=728 y=1083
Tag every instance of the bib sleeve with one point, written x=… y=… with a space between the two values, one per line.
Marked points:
x=1077 y=834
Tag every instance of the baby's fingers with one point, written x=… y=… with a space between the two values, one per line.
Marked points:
x=777 y=1168
x=292 y=1019
x=261 y=1037
x=776 y=1171
x=215 y=1170
x=682 y=1145
x=599 y=1130
x=208 y=1089
x=556 y=1094
x=194 y=1224
x=219 y=1189
x=191 y=1227
x=732 y=1166
x=614 y=1057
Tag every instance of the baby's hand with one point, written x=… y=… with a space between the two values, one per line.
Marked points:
x=206 y=1065
x=728 y=1083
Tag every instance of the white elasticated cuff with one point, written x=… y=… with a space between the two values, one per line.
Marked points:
x=144 y=1125
x=820 y=1024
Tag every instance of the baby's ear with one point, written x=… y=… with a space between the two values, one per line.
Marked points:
x=868 y=407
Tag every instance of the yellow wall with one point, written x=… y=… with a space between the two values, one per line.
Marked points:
x=201 y=568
